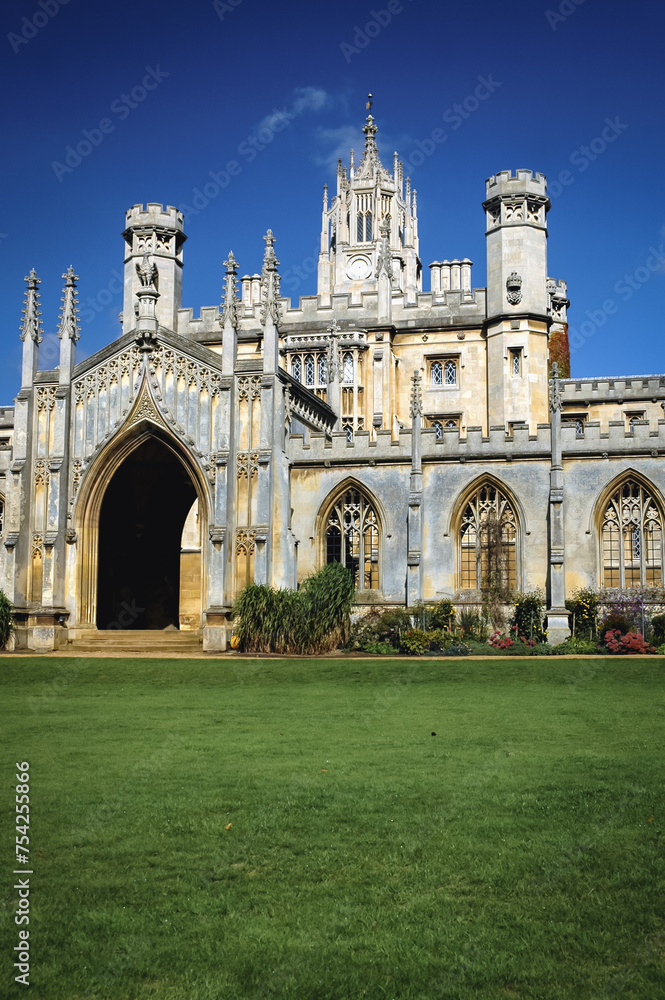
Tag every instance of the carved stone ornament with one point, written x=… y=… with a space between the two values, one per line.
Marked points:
x=514 y=289
x=71 y=537
x=555 y=389
x=147 y=272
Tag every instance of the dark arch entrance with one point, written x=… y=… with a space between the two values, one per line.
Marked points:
x=140 y=529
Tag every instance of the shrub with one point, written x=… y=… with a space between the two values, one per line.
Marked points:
x=433 y=616
x=573 y=644
x=658 y=627
x=527 y=620
x=380 y=626
x=415 y=642
x=314 y=619
x=631 y=642
x=614 y=621
x=6 y=619
x=378 y=648
x=584 y=607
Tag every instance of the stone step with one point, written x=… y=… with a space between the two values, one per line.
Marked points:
x=153 y=641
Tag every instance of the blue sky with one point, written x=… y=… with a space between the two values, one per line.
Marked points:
x=186 y=89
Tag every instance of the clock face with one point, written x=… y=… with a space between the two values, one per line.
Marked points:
x=358 y=268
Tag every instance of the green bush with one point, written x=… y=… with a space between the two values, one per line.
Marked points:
x=527 y=619
x=584 y=606
x=314 y=619
x=378 y=648
x=6 y=619
x=573 y=644
x=433 y=616
x=380 y=626
x=415 y=642
x=658 y=630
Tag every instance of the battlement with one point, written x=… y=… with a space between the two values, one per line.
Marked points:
x=558 y=289
x=506 y=184
x=155 y=214
x=584 y=391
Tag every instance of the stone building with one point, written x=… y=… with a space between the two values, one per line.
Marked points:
x=423 y=438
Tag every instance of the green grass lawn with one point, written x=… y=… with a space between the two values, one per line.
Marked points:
x=517 y=853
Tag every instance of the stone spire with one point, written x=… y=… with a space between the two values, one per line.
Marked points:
x=31 y=327
x=68 y=326
x=370 y=153
x=229 y=317
x=230 y=300
x=31 y=330
x=270 y=306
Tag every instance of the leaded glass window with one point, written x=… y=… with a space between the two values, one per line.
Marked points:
x=488 y=541
x=436 y=373
x=368 y=227
x=632 y=538
x=450 y=373
x=438 y=428
x=361 y=228
x=352 y=538
x=309 y=369
x=323 y=369
x=296 y=367
x=348 y=368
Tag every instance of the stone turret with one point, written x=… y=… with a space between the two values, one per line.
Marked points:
x=369 y=196
x=518 y=299
x=159 y=232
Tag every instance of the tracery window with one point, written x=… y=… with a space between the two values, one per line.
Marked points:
x=352 y=538
x=309 y=369
x=488 y=541
x=443 y=372
x=296 y=367
x=438 y=429
x=450 y=373
x=323 y=369
x=632 y=538
x=347 y=362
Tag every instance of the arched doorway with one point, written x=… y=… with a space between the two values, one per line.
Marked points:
x=141 y=521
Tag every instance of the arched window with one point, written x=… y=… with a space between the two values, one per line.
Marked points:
x=632 y=538
x=438 y=428
x=436 y=373
x=361 y=227
x=348 y=368
x=323 y=370
x=450 y=373
x=368 y=227
x=296 y=367
x=352 y=538
x=309 y=369
x=488 y=541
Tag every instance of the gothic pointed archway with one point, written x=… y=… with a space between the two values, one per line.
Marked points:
x=141 y=522
x=140 y=511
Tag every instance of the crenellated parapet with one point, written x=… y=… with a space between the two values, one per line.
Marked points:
x=154 y=237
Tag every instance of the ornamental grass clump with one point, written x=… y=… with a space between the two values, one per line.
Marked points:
x=314 y=619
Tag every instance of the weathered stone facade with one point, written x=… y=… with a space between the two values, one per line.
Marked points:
x=423 y=438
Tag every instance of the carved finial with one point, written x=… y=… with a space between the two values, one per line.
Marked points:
x=416 y=394
x=325 y=197
x=68 y=325
x=385 y=261
x=229 y=299
x=270 y=283
x=32 y=324
x=555 y=388
x=147 y=272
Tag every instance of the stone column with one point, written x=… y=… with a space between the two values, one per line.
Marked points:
x=557 y=616
x=414 y=580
